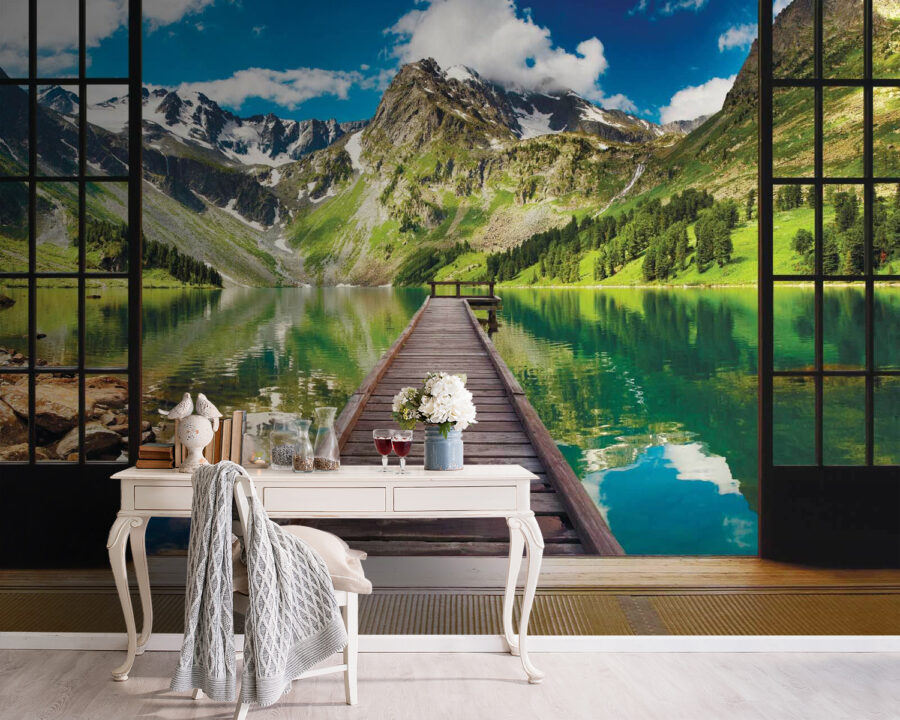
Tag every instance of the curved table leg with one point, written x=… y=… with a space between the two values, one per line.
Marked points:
x=117 y=544
x=516 y=545
x=534 y=543
x=139 y=555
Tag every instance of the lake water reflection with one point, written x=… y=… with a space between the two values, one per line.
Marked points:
x=651 y=394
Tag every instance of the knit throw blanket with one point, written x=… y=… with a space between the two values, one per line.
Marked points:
x=293 y=620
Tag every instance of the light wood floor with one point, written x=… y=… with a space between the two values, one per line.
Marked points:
x=38 y=684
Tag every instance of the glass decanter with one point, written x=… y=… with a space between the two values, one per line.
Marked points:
x=304 y=458
x=328 y=455
x=282 y=441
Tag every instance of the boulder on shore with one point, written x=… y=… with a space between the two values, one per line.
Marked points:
x=12 y=430
x=19 y=453
x=97 y=438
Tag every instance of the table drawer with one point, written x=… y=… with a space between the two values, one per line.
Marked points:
x=155 y=497
x=325 y=499
x=478 y=497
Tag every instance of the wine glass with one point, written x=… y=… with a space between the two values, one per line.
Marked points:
x=383 y=445
x=402 y=443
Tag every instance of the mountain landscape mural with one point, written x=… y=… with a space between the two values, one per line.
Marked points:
x=598 y=161
x=454 y=177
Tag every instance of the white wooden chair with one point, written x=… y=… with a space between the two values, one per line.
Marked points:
x=347 y=576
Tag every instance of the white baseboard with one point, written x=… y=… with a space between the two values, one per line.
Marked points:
x=495 y=643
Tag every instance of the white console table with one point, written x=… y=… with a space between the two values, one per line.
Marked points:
x=477 y=491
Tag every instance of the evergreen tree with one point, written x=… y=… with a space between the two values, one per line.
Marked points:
x=751 y=204
x=831 y=254
x=648 y=269
x=803 y=244
x=846 y=209
x=723 y=247
x=811 y=196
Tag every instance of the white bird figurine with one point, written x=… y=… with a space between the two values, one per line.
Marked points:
x=208 y=410
x=182 y=409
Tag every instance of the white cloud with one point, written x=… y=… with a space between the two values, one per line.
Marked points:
x=780 y=5
x=673 y=6
x=58 y=28
x=639 y=8
x=737 y=36
x=165 y=12
x=502 y=44
x=696 y=100
x=287 y=88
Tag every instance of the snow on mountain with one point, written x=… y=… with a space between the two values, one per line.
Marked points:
x=194 y=118
x=354 y=150
x=532 y=114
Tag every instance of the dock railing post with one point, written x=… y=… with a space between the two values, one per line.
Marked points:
x=433 y=290
x=491 y=289
x=457 y=290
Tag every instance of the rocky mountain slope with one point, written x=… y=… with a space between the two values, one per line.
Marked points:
x=448 y=161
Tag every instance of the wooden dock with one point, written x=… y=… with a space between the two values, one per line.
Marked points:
x=445 y=335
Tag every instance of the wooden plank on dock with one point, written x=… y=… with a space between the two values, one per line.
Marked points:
x=445 y=335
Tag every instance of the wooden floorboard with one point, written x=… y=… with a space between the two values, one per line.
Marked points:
x=75 y=685
x=444 y=336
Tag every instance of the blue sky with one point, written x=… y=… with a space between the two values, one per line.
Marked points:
x=663 y=59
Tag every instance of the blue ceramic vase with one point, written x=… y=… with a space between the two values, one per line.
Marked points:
x=443 y=453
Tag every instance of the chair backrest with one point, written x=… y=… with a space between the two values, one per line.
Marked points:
x=243 y=489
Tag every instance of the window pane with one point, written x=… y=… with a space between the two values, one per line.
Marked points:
x=106 y=324
x=13 y=418
x=886 y=326
x=794 y=327
x=887 y=420
x=14 y=114
x=14 y=323
x=844 y=326
x=106 y=226
x=886 y=39
x=56 y=410
x=107 y=117
x=886 y=132
x=842 y=140
x=793 y=420
x=14 y=37
x=57 y=227
x=57 y=130
x=106 y=26
x=842 y=39
x=843 y=248
x=886 y=226
x=57 y=323
x=793 y=132
x=13 y=227
x=794 y=230
x=106 y=411
x=844 y=421
x=57 y=37
x=792 y=53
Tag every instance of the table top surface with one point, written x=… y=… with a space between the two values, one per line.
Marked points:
x=355 y=473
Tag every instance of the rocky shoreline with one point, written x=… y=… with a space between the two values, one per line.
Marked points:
x=56 y=415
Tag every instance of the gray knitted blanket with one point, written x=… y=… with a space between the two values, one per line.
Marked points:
x=293 y=620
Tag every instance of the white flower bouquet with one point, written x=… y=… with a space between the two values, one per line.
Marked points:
x=442 y=400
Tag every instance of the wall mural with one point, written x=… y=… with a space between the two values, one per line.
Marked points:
x=605 y=219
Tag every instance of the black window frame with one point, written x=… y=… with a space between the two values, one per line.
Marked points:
x=834 y=514
x=133 y=274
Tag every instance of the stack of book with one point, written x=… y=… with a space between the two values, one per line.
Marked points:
x=156 y=455
x=226 y=443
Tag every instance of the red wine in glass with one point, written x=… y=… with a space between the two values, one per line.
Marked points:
x=383 y=440
x=402 y=442
x=402 y=447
